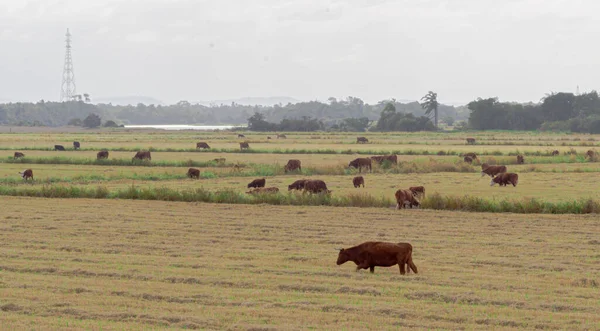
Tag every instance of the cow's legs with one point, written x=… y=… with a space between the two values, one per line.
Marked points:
x=402 y=268
x=372 y=268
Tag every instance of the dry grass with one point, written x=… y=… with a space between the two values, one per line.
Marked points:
x=74 y=264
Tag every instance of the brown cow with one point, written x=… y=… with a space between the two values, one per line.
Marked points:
x=260 y=190
x=520 y=159
x=555 y=152
x=202 y=145
x=358 y=181
x=293 y=165
x=371 y=254
x=417 y=191
x=193 y=173
x=360 y=163
x=471 y=141
x=102 y=155
x=59 y=147
x=380 y=158
x=405 y=198
x=315 y=186
x=492 y=170
x=26 y=174
x=590 y=154
x=18 y=155
x=268 y=137
x=505 y=178
x=244 y=145
x=468 y=159
x=257 y=183
x=362 y=140
x=220 y=160
x=141 y=155
x=76 y=145
x=297 y=185
x=241 y=136
x=471 y=155
x=281 y=136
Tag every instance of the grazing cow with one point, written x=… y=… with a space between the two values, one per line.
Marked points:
x=505 y=178
x=297 y=185
x=358 y=181
x=360 y=163
x=59 y=147
x=26 y=174
x=260 y=190
x=193 y=173
x=468 y=159
x=244 y=145
x=590 y=154
x=257 y=183
x=362 y=140
x=220 y=160
x=102 y=155
x=417 y=191
x=76 y=145
x=281 y=136
x=471 y=141
x=293 y=165
x=268 y=137
x=492 y=170
x=471 y=155
x=202 y=145
x=18 y=155
x=141 y=155
x=315 y=186
x=380 y=158
x=241 y=136
x=555 y=152
x=520 y=159
x=405 y=198
x=371 y=254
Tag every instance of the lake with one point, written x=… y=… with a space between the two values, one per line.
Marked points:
x=184 y=127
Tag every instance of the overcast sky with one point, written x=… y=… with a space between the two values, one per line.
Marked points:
x=310 y=49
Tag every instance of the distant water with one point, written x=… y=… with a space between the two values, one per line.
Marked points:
x=183 y=127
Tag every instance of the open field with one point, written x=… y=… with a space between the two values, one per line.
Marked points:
x=105 y=264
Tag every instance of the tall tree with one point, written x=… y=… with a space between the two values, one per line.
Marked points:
x=430 y=105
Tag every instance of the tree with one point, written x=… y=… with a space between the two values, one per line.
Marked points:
x=110 y=124
x=430 y=105
x=75 y=122
x=92 y=121
x=449 y=120
x=86 y=97
x=383 y=124
x=354 y=124
x=558 y=106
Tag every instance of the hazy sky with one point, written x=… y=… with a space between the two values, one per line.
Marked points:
x=311 y=49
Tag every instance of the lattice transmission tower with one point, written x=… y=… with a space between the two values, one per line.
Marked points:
x=68 y=79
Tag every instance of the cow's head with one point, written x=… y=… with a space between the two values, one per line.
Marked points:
x=493 y=182
x=343 y=256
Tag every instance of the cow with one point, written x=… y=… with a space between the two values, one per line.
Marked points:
x=59 y=147
x=193 y=173
x=520 y=159
x=219 y=160
x=76 y=145
x=492 y=170
x=202 y=145
x=241 y=136
x=293 y=165
x=380 y=158
x=257 y=183
x=141 y=155
x=362 y=140
x=244 y=145
x=417 y=191
x=468 y=159
x=315 y=186
x=102 y=155
x=405 y=198
x=268 y=137
x=555 y=152
x=18 y=155
x=505 y=178
x=281 y=136
x=471 y=155
x=360 y=163
x=371 y=254
x=261 y=190
x=297 y=185
x=358 y=181
x=26 y=174
x=590 y=154
x=471 y=141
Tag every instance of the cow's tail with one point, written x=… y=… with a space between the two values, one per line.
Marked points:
x=411 y=264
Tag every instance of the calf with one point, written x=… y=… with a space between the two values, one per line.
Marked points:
x=358 y=181
x=202 y=145
x=492 y=170
x=360 y=163
x=505 y=178
x=244 y=145
x=520 y=159
x=471 y=141
x=76 y=145
x=315 y=186
x=293 y=165
x=362 y=140
x=371 y=254
x=102 y=155
x=59 y=147
x=18 y=155
x=193 y=173
x=555 y=152
x=405 y=198
x=257 y=183
x=26 y=174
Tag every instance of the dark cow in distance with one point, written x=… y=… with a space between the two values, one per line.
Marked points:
x=293 y=165
x=202 y=145
x=360 y=163
x=281 y=136
x=590 y=154
x=261 y=190
x=76 y=145
x=380 y=158
x=18 y=155
x=142 y=155
x=471 y=141
x=555 y=152
x=505 y=178
x=297 y=185
x=193 y=173
x=405 y=198
x=417 y=191
x=59 y=147
x=358 y=181
x=315 y=186
x=241 y=136
x=492 y=170
x=26 y=174
x=371 y=254
x=471 y=155
x=520 y=159
x=244 y=145
x=102 y=155
x=362 y=140
x=257 y=183
x=468 y=159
